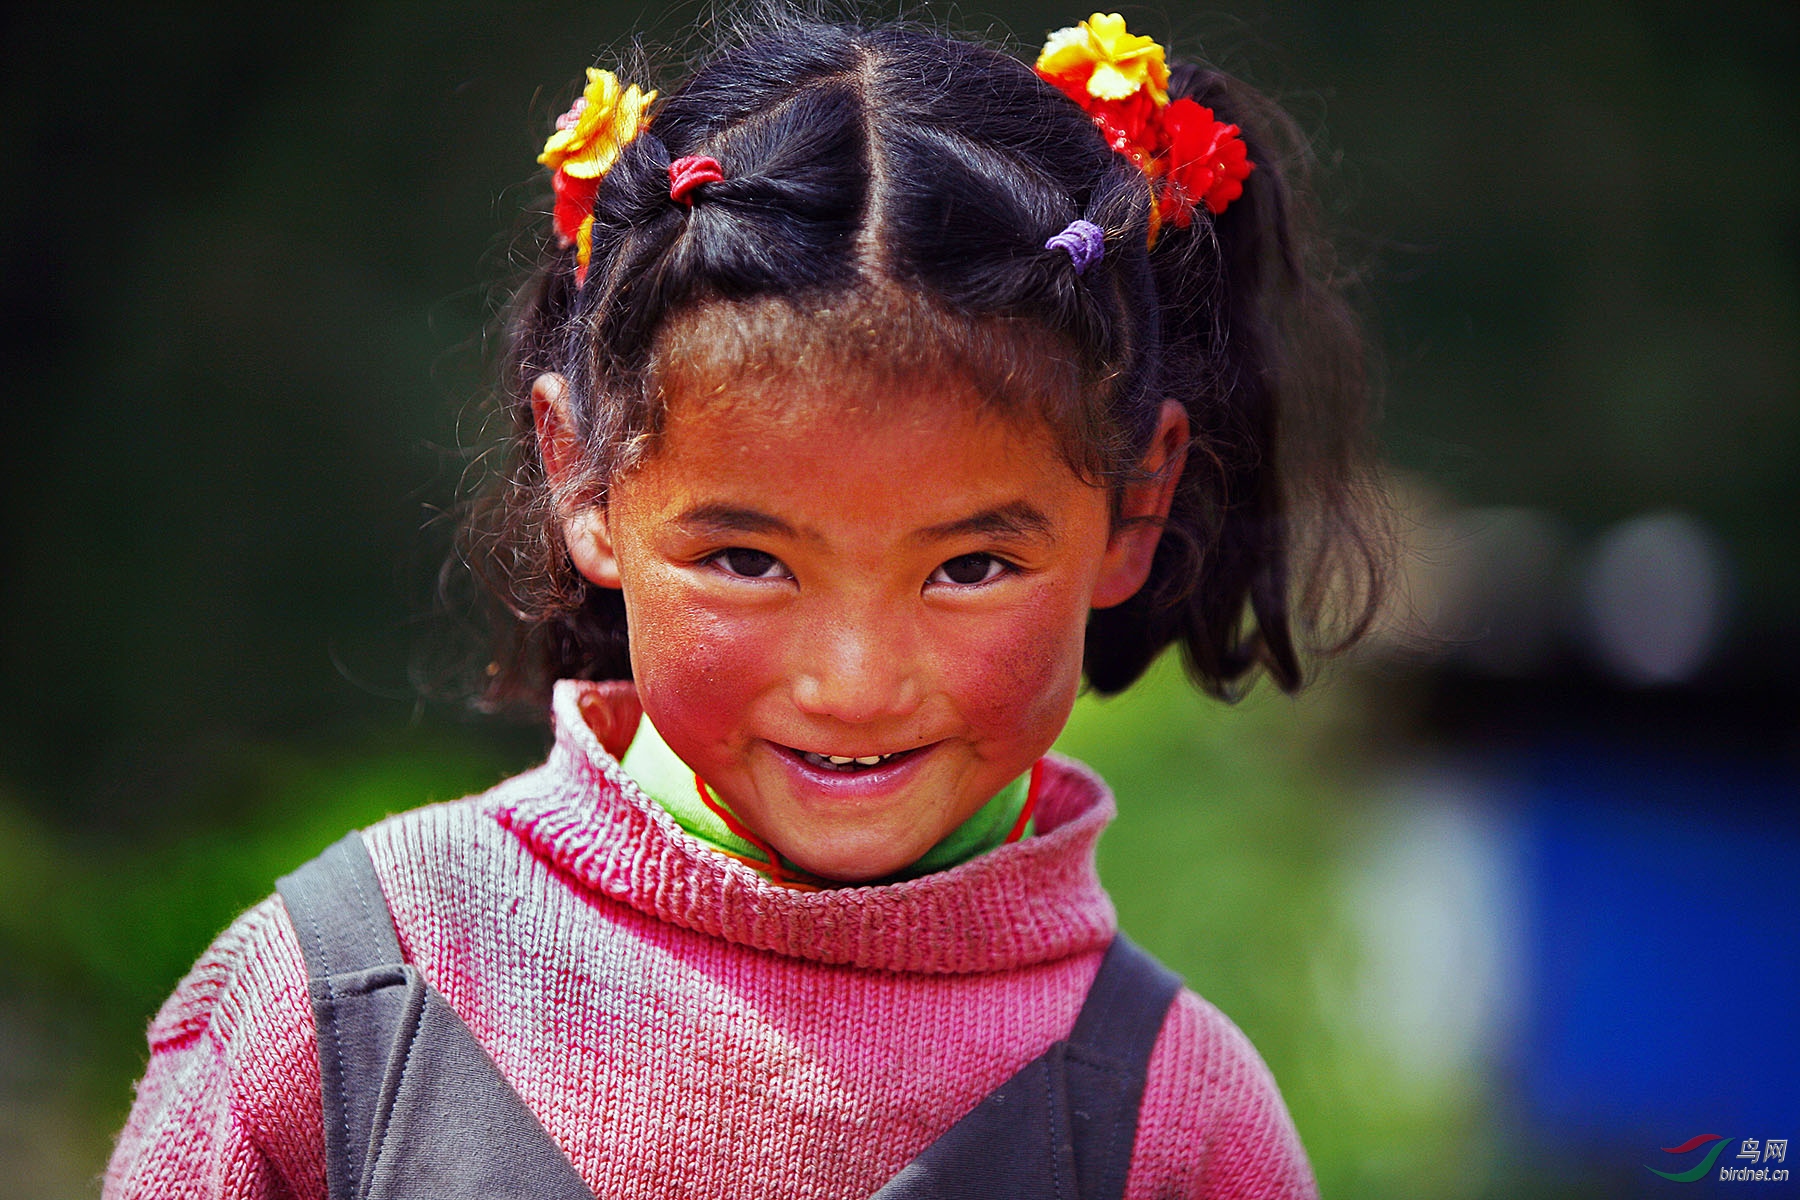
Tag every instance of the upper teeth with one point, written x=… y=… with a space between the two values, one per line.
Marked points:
x=844 y=760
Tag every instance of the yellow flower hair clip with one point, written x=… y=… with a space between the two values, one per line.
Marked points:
x=604 y=119
x=1109 y=62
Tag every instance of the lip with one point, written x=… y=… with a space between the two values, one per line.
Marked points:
x=869 y=784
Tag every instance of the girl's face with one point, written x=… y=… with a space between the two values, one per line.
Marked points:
x=809 y=579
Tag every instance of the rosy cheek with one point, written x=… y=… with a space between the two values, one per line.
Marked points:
x=697 y=669
x=1017 y=677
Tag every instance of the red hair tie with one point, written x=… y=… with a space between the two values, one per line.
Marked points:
x=686 y=174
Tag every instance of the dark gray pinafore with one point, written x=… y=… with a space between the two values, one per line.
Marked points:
x=415 y=1108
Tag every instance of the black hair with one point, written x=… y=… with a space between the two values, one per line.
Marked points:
x=908 y=181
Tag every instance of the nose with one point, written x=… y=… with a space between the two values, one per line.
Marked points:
x=859 y=670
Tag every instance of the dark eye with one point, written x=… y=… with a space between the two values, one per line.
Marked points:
x=751 y=564
x=969 y=568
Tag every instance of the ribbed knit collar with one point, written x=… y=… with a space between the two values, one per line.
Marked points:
x=1033 y=901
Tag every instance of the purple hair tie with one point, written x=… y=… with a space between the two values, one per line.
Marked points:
x=1085 y=242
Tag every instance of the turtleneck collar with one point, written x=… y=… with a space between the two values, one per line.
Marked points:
x=1027 y=902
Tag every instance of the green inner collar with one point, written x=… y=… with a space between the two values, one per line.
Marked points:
x=671 y=783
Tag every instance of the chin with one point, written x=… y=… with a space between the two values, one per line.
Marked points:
x=847 y=865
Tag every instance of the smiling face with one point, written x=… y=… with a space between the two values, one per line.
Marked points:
x=809 y=580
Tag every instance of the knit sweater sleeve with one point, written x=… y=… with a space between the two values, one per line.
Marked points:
x=228 y=1107
x=1213 y=1124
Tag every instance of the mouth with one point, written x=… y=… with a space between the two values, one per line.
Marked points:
x=833 y=779
x=848 y=764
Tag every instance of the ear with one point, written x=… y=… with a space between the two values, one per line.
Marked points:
x=1143 y=509
x=581 y=515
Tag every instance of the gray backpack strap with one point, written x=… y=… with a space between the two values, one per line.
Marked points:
x=1062 y=1128
x=413 y=1105
x=1107 y=1062
x=361 y=991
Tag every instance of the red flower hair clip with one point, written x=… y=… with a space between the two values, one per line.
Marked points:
x=1122 y=81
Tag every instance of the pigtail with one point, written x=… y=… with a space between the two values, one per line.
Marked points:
x=1263 y=349
x=546 y=621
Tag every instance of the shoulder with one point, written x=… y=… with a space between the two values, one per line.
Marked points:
x=229 y=1102
x=253 y=974
x=244 y=1006
x=232 y=1086
x=250 y=973
x=1213 y=1123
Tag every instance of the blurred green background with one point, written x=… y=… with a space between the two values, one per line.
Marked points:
x=251 y=255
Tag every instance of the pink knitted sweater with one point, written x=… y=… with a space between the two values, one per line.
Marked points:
x=682 y=1026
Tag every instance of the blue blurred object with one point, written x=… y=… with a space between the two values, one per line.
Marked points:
x=1662 y=945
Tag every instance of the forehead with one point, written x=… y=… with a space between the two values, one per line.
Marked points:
x=855 y=399
x=760 y=421
x=846 y=455
x=875 y=348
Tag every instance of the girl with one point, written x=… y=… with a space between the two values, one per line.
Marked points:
x=876 y=389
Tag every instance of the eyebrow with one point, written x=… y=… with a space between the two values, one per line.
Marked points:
x=718 y=519
x=1019 y=519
